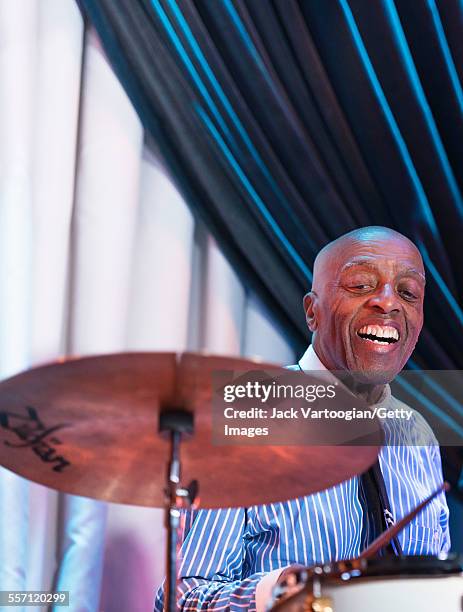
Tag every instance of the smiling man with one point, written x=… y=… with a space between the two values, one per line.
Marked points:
x=365 y=308
x=365 y=311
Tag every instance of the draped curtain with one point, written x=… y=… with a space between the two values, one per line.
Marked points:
x=289 y=122
x=99 y=253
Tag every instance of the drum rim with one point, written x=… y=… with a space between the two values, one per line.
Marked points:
x=444 y=564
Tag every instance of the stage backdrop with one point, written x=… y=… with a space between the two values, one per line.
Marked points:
x=98 y=253
x=289 y=122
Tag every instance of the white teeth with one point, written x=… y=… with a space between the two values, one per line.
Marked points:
x=380 y=332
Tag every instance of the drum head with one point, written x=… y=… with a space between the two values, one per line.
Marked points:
x=344 y=581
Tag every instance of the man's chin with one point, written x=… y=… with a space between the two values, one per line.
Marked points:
x=374 y=376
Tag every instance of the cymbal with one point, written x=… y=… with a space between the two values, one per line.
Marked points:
x=89 y=427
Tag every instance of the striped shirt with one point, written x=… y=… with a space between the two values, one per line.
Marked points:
x=225 y=553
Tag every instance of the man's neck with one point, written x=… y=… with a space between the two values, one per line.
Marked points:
x=370 y=393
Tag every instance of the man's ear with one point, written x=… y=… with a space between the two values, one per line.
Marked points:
x=310 y=310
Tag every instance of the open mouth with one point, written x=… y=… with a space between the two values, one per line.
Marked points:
x=380 y=334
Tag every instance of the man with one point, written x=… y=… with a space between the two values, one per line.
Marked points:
x=365 y=311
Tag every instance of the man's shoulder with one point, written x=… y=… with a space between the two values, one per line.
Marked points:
x=418 y=429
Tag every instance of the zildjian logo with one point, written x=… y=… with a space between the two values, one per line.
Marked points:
x=29 y=428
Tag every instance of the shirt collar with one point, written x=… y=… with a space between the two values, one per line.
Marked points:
x=310 y=361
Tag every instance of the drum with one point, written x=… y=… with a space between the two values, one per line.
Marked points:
x=387 y=584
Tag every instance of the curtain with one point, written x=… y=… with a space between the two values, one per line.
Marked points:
x=99 y=253
x=289 y=122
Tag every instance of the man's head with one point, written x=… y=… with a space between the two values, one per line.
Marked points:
x=365 y=308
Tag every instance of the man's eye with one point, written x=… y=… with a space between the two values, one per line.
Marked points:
x=361 y=287
x=408 y=295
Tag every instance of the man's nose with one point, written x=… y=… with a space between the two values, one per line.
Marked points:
x=385 y=299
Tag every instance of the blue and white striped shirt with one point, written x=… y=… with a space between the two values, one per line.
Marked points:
x=225 y=553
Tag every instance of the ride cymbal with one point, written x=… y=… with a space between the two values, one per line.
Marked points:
x=89 y=427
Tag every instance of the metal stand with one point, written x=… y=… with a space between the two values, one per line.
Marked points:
x=175 y=423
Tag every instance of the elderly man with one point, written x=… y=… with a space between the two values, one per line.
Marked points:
x=365 y=311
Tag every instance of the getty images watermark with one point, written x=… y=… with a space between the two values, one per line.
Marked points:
x=309 y=393
x=316 y=408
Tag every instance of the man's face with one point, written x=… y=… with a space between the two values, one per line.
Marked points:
x=368 y=307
